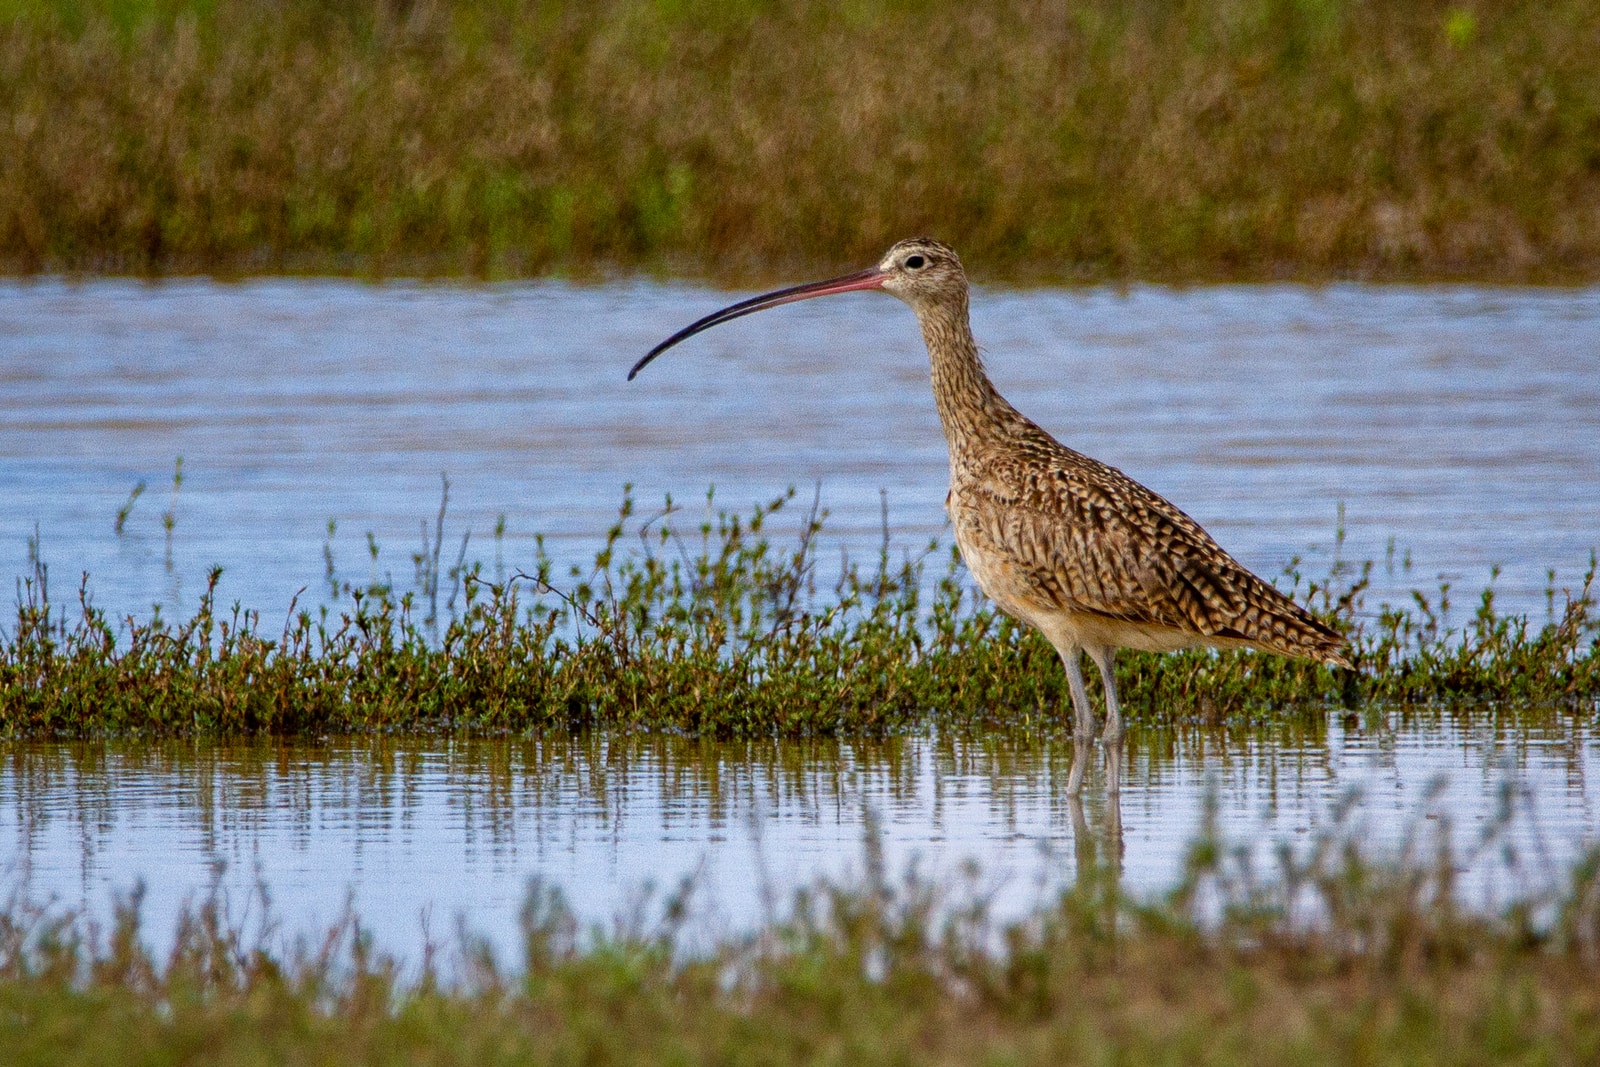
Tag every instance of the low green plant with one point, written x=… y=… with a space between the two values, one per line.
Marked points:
x=713 y=628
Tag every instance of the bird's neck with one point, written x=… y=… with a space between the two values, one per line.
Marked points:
x=970 y=408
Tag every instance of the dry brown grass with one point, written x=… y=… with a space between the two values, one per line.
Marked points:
x=745 y=139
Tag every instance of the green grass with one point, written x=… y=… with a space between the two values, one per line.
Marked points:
x=715 y=629
x=884 y=969
x=759 y=139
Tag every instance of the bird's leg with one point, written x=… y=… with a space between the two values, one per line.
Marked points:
x=1072 y=658
x=1102 y=656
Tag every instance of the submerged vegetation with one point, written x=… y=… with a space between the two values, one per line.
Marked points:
x=1330 y=954
x=714 y=628
x=751 y=138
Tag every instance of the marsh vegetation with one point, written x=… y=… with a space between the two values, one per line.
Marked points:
x=1244 y=139
x=712 y=627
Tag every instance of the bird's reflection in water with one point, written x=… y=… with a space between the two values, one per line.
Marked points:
x=1098 y=851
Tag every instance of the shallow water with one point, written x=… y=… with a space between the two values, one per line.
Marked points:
x=1460 y=424
x=413 y=829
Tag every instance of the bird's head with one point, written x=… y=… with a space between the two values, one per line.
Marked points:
x=920 y=271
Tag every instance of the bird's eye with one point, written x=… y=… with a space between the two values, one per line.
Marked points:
x=915 y=263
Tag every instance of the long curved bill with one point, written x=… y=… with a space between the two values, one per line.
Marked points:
x=871 y=278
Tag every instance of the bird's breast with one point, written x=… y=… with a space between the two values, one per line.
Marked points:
x=992 y=558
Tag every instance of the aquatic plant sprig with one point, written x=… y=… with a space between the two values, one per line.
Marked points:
x=127 y=507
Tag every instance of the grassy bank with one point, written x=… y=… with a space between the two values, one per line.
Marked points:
x=890 y=969
x=713 y=628
x=756 y=139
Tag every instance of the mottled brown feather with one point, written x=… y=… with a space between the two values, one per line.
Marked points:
x=1087 y=538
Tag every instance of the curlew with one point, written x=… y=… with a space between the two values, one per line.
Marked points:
x=1069 y=545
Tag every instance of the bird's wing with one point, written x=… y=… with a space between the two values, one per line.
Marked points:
x=1088 y=538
